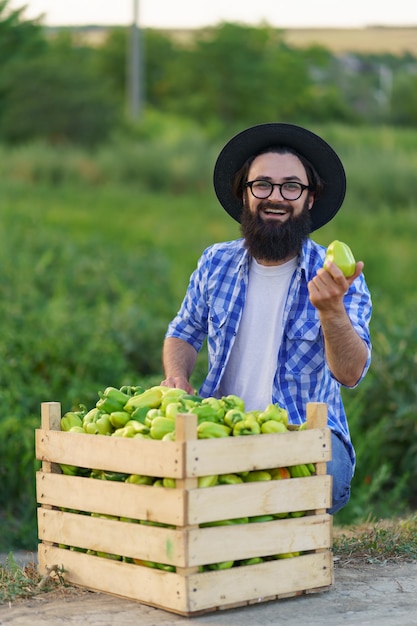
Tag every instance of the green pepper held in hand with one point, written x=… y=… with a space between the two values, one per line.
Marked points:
x=341 y=255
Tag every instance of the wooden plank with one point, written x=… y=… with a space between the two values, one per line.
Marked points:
x=245 y=541
x=151 y=586
x=111 y=498
x=138 y=541
x=185 y=548
x=50 y=420
x=115 y=454
x=316 y=415
x=238 y=454
x=258 y=582
x=196 y=593
x=259 y=498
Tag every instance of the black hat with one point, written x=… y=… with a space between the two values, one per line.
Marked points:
x=256 y=139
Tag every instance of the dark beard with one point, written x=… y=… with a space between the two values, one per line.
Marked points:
x=270 y=240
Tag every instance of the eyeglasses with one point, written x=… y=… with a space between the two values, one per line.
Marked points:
x=290 y=190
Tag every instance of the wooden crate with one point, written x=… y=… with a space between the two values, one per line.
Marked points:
x=67 y=502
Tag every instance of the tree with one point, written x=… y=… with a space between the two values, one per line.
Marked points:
x=49 y=88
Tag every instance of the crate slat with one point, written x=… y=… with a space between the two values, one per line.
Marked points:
x=197 y=593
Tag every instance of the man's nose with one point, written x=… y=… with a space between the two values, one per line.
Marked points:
x=276 y=193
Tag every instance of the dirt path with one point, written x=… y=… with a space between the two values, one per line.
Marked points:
x=369 y=595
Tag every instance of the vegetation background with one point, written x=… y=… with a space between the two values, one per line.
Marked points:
x=103 y=217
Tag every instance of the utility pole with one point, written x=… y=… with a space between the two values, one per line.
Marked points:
x=135 y=66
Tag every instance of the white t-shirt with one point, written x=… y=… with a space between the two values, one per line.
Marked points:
x=252 y=364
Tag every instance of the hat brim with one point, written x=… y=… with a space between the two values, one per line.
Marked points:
x=257 y=138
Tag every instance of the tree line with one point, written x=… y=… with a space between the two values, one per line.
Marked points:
x=60 y=88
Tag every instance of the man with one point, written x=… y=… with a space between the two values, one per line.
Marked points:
x=279 y=327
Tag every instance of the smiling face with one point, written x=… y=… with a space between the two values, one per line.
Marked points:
x=278 y=168
x=274 y=228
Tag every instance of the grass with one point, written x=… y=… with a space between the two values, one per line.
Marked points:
x=24 y=582
x=386 y=541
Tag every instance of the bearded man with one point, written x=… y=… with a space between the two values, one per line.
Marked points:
x=279 y=327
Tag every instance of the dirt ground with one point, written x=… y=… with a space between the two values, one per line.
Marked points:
x=365 y=594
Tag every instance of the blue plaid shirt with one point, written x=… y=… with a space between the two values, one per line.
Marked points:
x=212 y=309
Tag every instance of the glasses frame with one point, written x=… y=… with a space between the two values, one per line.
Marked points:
x=279 y=185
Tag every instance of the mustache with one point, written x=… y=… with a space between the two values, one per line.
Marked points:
x=267 y=204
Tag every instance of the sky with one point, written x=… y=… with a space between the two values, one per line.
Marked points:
x=197 y=13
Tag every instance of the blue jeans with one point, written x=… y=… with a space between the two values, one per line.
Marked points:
x=340 y=468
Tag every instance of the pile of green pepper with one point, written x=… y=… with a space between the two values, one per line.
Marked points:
x=135 y=412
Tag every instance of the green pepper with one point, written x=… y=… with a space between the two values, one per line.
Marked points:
x=221 y=565
x=71 y=419
x=114 y=477
x=151 y=398
x=286 y=555
x=171 y=395
x=151 y=414
x=248 y=426
x=166 y=568
x=139 y=414
x=161 y=426
x=119 y=418
x=111 y=399
x=92 y=416
x=207 y=481
x=273 y=412
x=216 y=405
x=125 y=431
x=260 y=518
x=225 y=522
x=212 y=430
x=139 y=479
x=131 y=390
x=170 y=483
x=171 y=409
x=104 y=425
x=137 y=427
x=233 y=402
x=205 y=413
x=69 y=470
x=77 y=429
x=189 y=401
x=273 y=426
x=100 y=424
x=257 y=475
x=253 y=561
x=230 y=479
x=233 y=416
x=341 y=255
x=299 y=471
